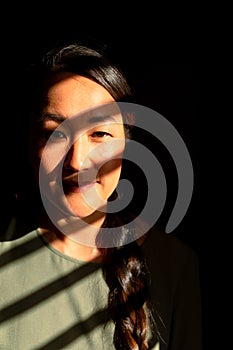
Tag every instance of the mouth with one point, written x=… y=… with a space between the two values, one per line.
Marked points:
x=75 y=187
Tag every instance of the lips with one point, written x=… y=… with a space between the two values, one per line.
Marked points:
x=79 y=181
x=75 y=187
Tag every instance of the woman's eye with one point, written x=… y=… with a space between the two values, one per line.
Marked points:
x=100 y=134
x=58 y=135
x=54 y=135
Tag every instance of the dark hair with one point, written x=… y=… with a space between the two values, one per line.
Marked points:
x=81 y=60
x=124 y=268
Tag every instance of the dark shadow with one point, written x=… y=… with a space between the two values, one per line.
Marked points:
x=76 y=331
x=20 y=251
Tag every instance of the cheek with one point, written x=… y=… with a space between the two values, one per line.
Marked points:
x=35 y=157
x=51 y=157
x=110 y=171
x=36 y=151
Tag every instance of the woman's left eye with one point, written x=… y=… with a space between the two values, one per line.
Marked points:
x=100 y=134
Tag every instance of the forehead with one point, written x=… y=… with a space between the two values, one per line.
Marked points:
x=73 y=94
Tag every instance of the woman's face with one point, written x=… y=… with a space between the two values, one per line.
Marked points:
x=80 y=145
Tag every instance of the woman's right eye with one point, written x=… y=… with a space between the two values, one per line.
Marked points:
x=58 y=135
x=54 y=135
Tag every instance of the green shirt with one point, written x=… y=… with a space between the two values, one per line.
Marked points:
x=51 y=301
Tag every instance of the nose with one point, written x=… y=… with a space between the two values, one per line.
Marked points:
x=78 y=156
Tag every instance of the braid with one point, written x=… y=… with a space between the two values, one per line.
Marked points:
x=125 y=274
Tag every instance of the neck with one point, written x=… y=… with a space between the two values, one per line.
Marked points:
x=78 y=243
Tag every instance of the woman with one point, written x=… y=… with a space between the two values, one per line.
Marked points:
x=73 y=277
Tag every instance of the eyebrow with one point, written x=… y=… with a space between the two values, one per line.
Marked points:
x=59 y=118
x=54 y=117
x=101 y=118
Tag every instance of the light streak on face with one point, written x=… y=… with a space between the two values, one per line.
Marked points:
x=80 y=146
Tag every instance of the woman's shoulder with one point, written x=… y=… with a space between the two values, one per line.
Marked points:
x=14 y=240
